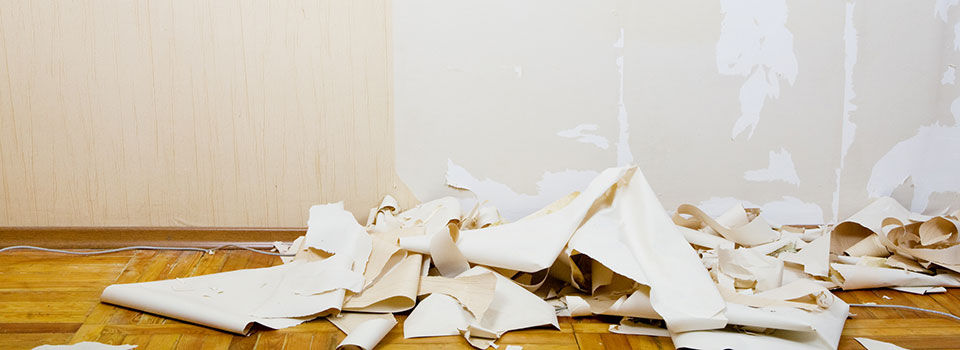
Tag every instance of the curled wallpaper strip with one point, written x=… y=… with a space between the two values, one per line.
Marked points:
x=868 y=246
x=786 y=240
x=904 y=239
x=938 y=229
x=488 y=215
x=535 y=242
x=482 y=215
x=750 y=233
x=895 y=248
x=864 y=277
x=363 y=330
x=801 y=294
x=387 y=205
x=703 y=239
x=445 y=254
x=864 y=223
x=439 y=222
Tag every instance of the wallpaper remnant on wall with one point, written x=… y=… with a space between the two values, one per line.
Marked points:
x=624 y=155
x=781 y=169
x=928 y=161
x=804 y=109
x=929 y=174
x=755 y=43
x=848 y=128
x=552 y=186
x=577 y=133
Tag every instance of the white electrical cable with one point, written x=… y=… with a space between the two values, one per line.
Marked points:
x=908 y=308
x=144 y=247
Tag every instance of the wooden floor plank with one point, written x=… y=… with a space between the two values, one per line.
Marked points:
x=163 y=342
x=190 y=342
x=271 y=340
x=326 y=340
x=219 y=341
x=298 y=341
x=40 y=327
x=16 y=341
x=52 y=299
x=140 y=340
x=244 y=343
x=650 y=343
x=87 y=332
x=111 y=336
x=235 y=261
x=590 y=341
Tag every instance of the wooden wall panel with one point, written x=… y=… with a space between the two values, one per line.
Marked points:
x=193 y=113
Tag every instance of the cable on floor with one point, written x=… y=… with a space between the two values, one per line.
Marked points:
x=908 y=308
x=142 y=247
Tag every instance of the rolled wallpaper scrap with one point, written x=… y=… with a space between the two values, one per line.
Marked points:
x=364 y=331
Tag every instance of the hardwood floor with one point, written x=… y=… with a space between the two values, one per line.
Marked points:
x=48 y=298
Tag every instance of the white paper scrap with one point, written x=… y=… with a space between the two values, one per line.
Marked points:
x=871 y=344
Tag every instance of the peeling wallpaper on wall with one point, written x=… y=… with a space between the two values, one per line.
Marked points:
x=755 y=43
x=804 y=109
x=930 y=159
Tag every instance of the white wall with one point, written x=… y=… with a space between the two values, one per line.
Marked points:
x=805 y=108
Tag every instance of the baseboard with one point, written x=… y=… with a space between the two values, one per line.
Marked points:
x=115 y=237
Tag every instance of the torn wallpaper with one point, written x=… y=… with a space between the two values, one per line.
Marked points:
x=733 y=280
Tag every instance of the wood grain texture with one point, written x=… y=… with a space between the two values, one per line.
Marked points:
x=53 y=299
x=195 y=113
x=117 y=237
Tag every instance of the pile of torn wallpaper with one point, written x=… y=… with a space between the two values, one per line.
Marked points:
x=732 y=281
